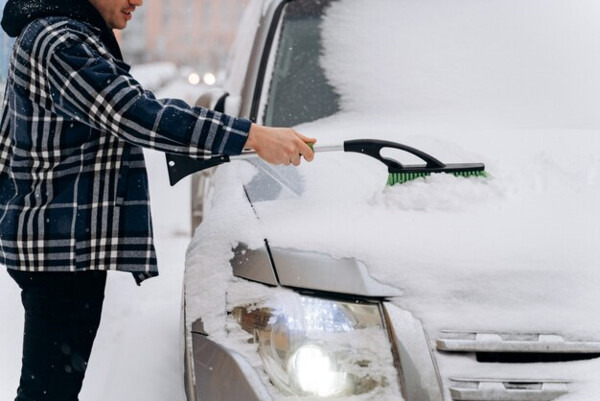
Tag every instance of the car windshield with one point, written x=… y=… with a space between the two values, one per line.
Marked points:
x=299 y=90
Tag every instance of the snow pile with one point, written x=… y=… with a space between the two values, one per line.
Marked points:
x=486 y=63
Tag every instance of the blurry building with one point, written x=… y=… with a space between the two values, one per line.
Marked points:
x=195 y=33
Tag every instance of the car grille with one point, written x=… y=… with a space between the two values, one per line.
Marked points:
x=512 y=348
x=506 y=390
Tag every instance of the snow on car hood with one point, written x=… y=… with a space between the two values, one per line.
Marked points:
x=515 y=251
x=513 y=84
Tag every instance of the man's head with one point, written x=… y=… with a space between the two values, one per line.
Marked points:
x=116 y=13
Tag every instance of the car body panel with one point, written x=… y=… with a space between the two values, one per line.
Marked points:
x=254 y=264
x=212 y=362
x=319 y=272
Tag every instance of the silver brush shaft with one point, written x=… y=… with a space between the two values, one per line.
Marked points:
x=318 y=149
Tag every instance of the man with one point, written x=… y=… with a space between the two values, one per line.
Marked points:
x=73 y=189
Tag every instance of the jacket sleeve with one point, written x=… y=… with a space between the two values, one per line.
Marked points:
x=99 y=91
x=5 y=141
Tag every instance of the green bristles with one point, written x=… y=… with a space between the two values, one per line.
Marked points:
x=401 y=178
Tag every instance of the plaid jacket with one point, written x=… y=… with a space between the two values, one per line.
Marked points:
x=73 y=185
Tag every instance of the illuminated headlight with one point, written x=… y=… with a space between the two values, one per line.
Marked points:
x=322 y=348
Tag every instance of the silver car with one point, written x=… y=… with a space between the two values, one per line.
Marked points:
x=321 y=283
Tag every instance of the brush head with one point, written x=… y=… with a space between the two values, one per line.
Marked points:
x=402 y=177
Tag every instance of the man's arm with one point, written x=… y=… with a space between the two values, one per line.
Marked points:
x=95 y=90
x=5 y=141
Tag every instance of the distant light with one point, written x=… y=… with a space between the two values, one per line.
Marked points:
x=209 y=78
x=194 y=78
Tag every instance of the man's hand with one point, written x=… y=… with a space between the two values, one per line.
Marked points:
x=279 y=145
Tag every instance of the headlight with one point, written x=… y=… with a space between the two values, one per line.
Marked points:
x=321 y=348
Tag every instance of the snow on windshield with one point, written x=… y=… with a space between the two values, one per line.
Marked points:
x=514 y=84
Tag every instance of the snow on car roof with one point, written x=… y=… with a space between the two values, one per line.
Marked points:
x=513 y=63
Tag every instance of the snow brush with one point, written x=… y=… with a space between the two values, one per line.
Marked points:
x=399 y=173
x=182 y=166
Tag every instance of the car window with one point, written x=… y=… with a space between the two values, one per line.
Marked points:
x=299 y=91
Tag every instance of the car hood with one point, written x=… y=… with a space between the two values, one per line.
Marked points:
x=514 y=252
x=518 y=249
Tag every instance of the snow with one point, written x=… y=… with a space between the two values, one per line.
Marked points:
x=486 y=63
x=513 y=84
x=527 y=72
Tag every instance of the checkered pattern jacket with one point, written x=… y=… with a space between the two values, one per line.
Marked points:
x=73 y=186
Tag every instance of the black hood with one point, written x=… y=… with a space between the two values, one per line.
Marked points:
x=19 y=13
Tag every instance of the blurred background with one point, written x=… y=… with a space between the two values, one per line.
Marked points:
x=176 y=47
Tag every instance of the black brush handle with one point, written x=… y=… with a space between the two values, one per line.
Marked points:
x=373 y=147
x=180 y=166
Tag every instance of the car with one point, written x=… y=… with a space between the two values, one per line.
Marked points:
x=322 y=282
